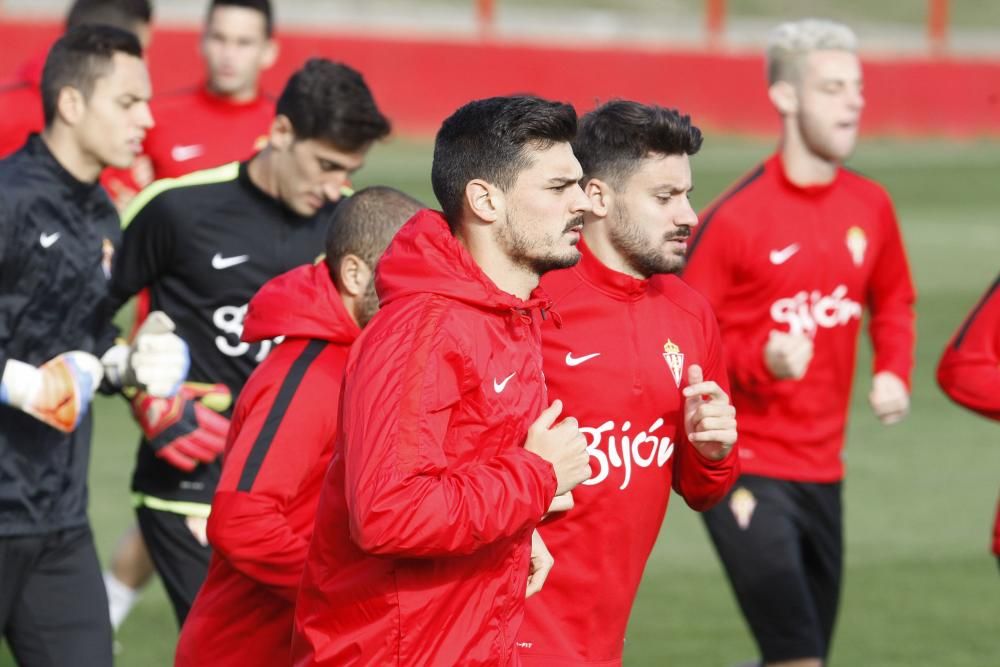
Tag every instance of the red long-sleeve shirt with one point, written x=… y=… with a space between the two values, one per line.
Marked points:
x=280 y=443
x=969 y=371
x=618 y=363
x=21 y=101
x=771 y=255
x=194 y=130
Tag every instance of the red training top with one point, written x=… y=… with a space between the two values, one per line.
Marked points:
x=969 y=371
x=619 y=362
x=770 y=255
x=280 y=443
x=21 y=101
x=421 y=550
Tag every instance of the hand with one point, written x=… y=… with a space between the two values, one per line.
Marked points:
x=563 y=503
x=787 y=356
x=156 y=362
x=185 y=430
x=709 y=419
x=889 y=398
x=562 y=445
x=57 y=393
x=541 y=564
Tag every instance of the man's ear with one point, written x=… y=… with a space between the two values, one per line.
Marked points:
x=784 y=97
x=281 y=134
x=484 y=200
x=70 y=105
x=600 y=195
x=354 y=275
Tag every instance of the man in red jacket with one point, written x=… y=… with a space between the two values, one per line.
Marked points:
x=664 y=419
x=226 y=117
x=282 y=438
x=788 y=258
x=969 y=371
x=21 y=99
x=447 y=457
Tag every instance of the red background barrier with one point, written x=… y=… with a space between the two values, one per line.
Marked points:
x=418 y=82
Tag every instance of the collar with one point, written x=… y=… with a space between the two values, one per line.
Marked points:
x=40 y=151
x=613 y=283
x=776 y=164
x=211 y=99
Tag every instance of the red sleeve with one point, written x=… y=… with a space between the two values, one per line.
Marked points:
x=404 y=497
x=890 y=300
x=969 y=371
x=712 y=266
x=277 y=439
x=703 y=482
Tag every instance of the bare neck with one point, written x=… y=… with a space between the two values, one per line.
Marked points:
x=802 y=166
x=67 y=151
x=498 y=267
x=599 y=244
x=262 y=172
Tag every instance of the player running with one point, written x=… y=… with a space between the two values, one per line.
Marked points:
x=969 y=370
x=58 y=235
x=446 y=456
x=789 y=257
x=282 y=439
x=650 y=346
x=21 y=99
x=203 y=244
x=226 y=117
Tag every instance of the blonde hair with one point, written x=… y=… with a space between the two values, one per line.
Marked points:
x=790 y=42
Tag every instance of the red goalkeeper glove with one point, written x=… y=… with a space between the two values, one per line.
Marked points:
x=187 y=429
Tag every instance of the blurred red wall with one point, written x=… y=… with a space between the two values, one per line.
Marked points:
x=418 y=82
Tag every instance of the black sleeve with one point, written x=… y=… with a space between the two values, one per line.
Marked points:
x=147 y=246
x=11 y=301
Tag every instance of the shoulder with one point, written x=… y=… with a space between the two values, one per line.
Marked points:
x=746 y=192
x=175 y=102
x=683 y=298
x=185 y=194
x=864 y=188
x=559 y=285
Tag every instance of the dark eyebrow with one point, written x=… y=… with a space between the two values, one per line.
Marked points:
x=562 y=180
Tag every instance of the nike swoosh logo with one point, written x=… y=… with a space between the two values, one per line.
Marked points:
x=220 y=262
x=182 y=153
x=48 y=239
x=576 y=361
x=500 y=386
x=781 y=256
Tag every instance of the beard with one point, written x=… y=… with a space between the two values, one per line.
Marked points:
x=527 y=253
x=366 y=308
x=647 y=260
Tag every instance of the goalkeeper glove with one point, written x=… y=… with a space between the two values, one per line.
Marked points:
x=156 y=362
x=186 y=429
x=57 y=393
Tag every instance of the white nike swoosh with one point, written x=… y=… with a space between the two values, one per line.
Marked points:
x=500 y=386
x=48 y=239
x=220 y=262
x=182 y=153
x=783 y=255
x=576 y=361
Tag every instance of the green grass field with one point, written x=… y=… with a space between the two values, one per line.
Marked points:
x=921 y=587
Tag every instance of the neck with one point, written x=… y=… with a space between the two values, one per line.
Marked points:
x=802 y=166
x=598 y=241
x=496 y=264
x=262 y=172
x=67 y=152
x=240 y=96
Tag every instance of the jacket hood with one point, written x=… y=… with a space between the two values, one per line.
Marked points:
x=424 y=257
x=302 y=303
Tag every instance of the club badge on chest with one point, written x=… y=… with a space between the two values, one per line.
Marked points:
x=675 y=361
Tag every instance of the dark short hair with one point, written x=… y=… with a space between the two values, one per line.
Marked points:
x=330 y=101
x=262 y=6
x=488 y=139
x=124 y=14
x=79 y=58
x=615 y=137
x=364 y=223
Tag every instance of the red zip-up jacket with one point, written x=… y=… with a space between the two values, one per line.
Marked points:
x=770 y=255
x=420 y=554
x=279 y=445
x=969 y=371
x=618 y=363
